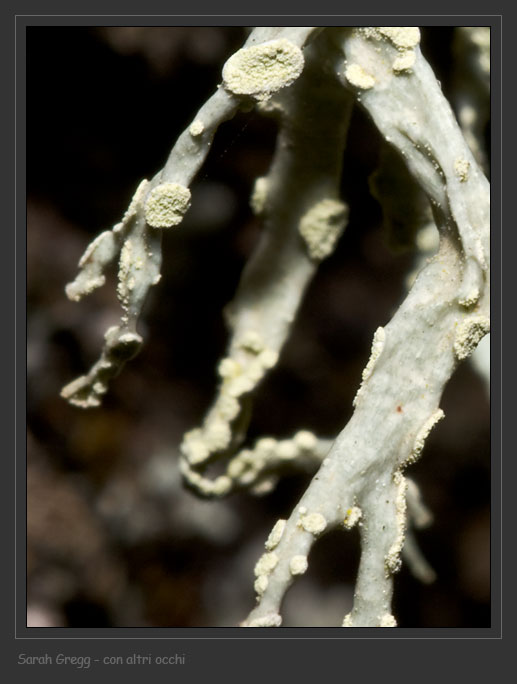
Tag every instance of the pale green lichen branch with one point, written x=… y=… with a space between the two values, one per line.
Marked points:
x=471 y=96
x=411 y=112
x=259 y=468
x=382 y=537
x=472 y=86
x=440 y=322
x=291 y=542
x=160 y=204
x=139 y=269
x=394 y=413
x=303 y=219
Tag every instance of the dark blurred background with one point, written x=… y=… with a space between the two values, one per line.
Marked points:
x=113 y=538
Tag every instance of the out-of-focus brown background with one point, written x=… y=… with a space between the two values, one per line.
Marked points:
x=113 y=538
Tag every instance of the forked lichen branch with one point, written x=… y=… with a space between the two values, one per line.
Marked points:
x=309 y=78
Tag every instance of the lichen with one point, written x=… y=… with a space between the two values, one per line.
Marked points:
x=219 y=487
x=392 y=560
x=259 y=195
x=261 y=583
x=87 y=390
x=263 y=69
x=298 y=565
x=136 y=201
x=468 y=335
x=124 y=271
x=423 y=434
x=404 y=62
x=229 y=368
x=271 y=620
x=347 y=621
x=196 y=128
x=379 y=339
x=461 y=169
x=470 y=298
x=166 y=205
x=387 y=620
x=252 y=341
x=266 y=444
x=266 y=564
x=268 y=358
x=92 y=263
x=218 y=434
x=305 y=440
x=286 y=450
x=238 y=379
x=322 y=226
x=314 y=523
x=359 y=77
x=352 y=517
x=472 y=280
x=195 y=447
x=275 y=535
x=402 y=37
x=82 y=393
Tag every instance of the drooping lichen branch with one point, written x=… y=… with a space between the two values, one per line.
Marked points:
x=303 y=218
x=309 y=78
x=162 y=202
